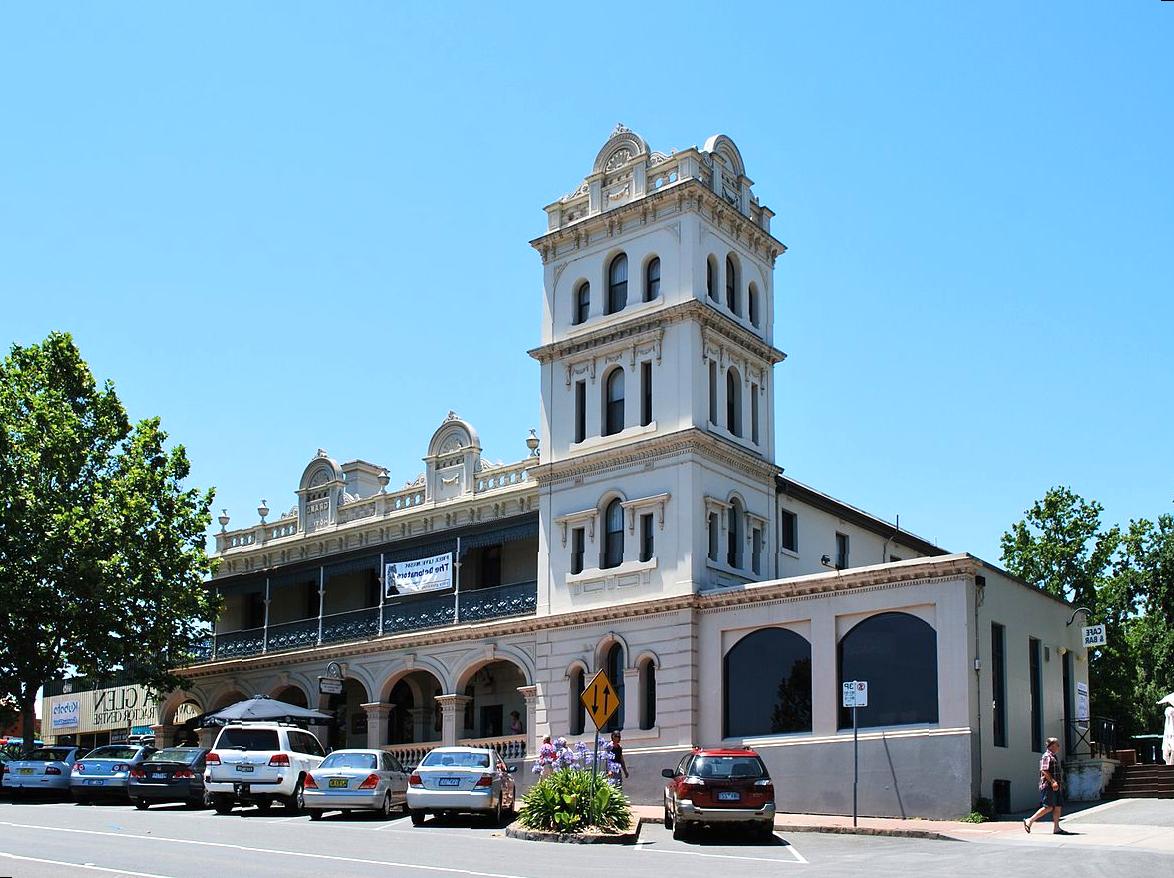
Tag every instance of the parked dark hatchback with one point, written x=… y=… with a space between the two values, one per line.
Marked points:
x=719 y=787
x=175 y=774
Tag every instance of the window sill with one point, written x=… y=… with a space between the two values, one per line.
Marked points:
x=602 y=321
x=628 y=574
x=639 y=735
x=722 y=567
x=741 y=441
x=790 y=553
x=744 y=322
x=598 y=443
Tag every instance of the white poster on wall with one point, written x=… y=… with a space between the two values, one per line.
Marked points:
x=65 y=714
x=422 y=574
x=1082 y=702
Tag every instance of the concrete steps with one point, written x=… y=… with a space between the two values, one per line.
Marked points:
x=1142 y=782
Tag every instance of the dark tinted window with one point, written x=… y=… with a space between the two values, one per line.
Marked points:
x=790 y=531
x=731 y=767
x=248 y=739
x=304 y=742
x=113 y=753
x=613 y=412
x=768 y=684
x=48 y=754
x=613 y=536
x=175 y=754
x=457 y=760
x=652 y=279
x=582 y=303
x=898 y=655
x=617 y=284
x=999 y=682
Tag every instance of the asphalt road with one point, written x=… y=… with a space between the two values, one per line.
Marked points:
x=51 y=839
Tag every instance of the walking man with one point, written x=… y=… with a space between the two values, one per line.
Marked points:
x=1050 y=793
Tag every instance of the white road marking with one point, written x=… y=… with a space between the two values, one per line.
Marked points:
x=90 y=866
x=799 y=858
x=238 y=847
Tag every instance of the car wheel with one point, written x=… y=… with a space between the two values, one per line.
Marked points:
x=297 y=802
x=223 y=803
x=142 y=804
x=680 y=830
x=417 y=817
x=315 y=813
x=668 y=818
x=385 y=810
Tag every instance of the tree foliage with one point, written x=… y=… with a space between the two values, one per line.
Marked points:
x=102 y=553
x=1125 y=578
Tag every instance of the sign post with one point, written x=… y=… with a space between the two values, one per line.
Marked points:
x=855 y=693
x=601 y=701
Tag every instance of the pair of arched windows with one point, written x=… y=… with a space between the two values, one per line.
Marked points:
x=767 y=677
x=617 y=288
x=733 y=289
x=733 y=413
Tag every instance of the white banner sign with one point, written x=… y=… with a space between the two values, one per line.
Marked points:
x=1082 y=702
x=66 y=714
x=423 y=574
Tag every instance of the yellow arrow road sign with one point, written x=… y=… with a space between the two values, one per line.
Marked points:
x=600 y=699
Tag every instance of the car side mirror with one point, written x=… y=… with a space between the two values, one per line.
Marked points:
x=669 y=773
x=512 y=769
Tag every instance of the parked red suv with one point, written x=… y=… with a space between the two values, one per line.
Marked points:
x=719 y=786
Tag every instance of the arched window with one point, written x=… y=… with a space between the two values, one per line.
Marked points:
x=710 y=278
x=732 y=285
x=578 y=717
x=613 y=402
x=652 y=279
x=753 y=306
x=613 y=535
x=712 y=392
x=647 y=694
x=734 y=534
x=582 y=303
x=897 y=654
x=767 y=684
x=614 y=666
x=617 y=284
x=733 y=402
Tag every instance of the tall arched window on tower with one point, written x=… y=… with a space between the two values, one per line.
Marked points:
x=617 y=284
x=711 y=278
x=733 y=402
x=897 y=653
x=582 y=303
x=613 y=402
x=734 y=534
x=615 y=673
x=613 y=535
x=732 y=285
x=753 y=306
x=578 y=718
x=652 y=279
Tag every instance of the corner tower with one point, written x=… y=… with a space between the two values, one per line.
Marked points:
x=657 y=353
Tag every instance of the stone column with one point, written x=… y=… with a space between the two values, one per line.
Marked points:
x=453 y=717
x=164 y=735
x=207 y=736
x=631 y=705
x=377 y=714
x=530 y=694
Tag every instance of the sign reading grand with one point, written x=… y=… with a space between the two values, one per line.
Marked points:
x=423 y=574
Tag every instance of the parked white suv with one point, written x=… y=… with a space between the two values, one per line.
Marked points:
x=259 y=763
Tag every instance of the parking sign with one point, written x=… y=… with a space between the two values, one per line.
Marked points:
x=855 y=693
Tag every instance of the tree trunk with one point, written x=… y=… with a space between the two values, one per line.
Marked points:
x=28 y=717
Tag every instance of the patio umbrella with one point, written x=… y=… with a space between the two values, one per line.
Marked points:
x=264 y=708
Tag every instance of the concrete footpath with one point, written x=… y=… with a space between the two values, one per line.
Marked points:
x=1140 y=824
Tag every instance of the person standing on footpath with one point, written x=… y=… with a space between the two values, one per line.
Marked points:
x=617 y=754
x=1051 y=796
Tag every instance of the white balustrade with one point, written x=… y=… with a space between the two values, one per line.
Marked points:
x=409 y=755
x=511 y=748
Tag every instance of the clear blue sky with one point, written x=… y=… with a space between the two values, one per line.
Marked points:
x=283 y=226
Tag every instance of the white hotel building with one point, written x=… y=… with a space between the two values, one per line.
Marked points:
x=651 y=533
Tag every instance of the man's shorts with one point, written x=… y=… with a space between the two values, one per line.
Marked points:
x=1050 y=798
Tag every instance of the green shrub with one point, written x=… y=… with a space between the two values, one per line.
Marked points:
x=563 y=801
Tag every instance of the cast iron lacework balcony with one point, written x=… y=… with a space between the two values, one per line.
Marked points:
x=397 y=616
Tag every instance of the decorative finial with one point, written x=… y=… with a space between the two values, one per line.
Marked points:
x=452 y=416
x=619 y=129
x=532 y=443
x=223 y=519
x=263 y=510
x=321 y=453
x=384 y=478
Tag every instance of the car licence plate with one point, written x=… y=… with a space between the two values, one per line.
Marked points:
x=94 y=782
x=728 y=797
x=338 y=782
x=244 y=768
x=449 y=782
x=158 y=775
x=25 y=771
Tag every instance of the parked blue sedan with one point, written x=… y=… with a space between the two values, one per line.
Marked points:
x=45 y=769
x=175 y=774
x=105 y=771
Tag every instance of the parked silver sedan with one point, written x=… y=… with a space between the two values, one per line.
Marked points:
x=453 y=779
x=46 y=769
x=368 y=780
x=105 y=771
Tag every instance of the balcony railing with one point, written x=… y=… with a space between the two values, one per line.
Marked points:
x=396 y=616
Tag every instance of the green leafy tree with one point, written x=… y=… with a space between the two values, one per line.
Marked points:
x=1150 y=547
x=102 y=557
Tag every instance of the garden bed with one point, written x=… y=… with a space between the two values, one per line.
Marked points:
x=590 y=836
